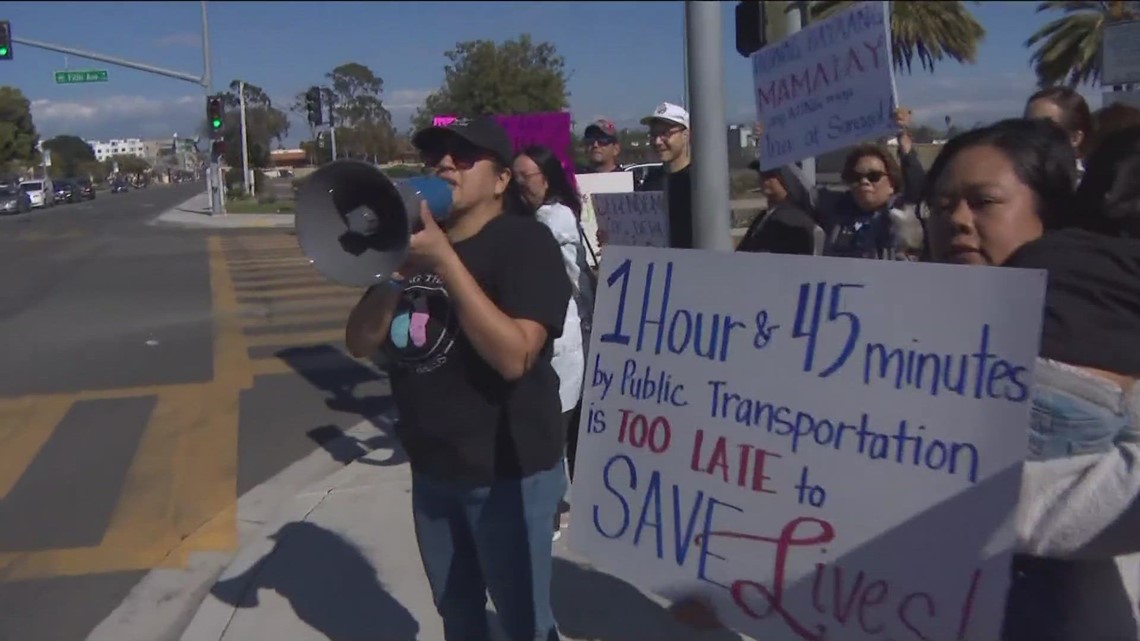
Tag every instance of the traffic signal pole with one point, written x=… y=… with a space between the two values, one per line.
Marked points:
x=214 y=182
x=213 y=177
x=712 y=212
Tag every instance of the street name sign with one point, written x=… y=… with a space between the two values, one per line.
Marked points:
x=73 y=77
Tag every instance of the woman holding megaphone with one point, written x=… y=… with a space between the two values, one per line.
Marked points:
x=468 y=325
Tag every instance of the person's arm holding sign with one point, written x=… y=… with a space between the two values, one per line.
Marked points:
x=914 y=176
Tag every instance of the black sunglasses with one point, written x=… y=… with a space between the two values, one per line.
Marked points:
x=603 y=141
x=463 y=154
x=872 y=176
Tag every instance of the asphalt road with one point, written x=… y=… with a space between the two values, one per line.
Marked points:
x=149 y=377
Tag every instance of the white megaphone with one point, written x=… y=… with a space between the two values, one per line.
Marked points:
x=353 y=222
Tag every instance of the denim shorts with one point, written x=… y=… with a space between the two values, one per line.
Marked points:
x=1074 y=413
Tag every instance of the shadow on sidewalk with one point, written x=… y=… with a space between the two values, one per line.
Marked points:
x=591 y=605
x=329 y=584
x=339 y=377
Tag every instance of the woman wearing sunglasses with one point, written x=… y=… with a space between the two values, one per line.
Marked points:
x=871 y=220
x=469 y=332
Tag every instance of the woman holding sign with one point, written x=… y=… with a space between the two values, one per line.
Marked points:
x=469 y=328
x=545 y=186
x=877 y=217
x=995 y=193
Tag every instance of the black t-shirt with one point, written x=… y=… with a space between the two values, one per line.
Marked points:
x=678 y=188
x=459 y=419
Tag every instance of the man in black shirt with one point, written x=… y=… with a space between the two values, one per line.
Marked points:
x=602 y=148
x=669 y=136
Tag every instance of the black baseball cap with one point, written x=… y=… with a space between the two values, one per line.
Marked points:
x=482 y=132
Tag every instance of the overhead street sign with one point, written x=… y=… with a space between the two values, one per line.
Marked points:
x=73 y=77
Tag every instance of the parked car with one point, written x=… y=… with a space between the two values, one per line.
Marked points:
x=119 y=187
x=84 y=189
x=39 y=191
x=14 y=200
x=64 y=191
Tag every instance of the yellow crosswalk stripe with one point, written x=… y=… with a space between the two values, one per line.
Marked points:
x=25 y=425
x=180 y=491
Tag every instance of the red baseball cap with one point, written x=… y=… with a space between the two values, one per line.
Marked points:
x=602 y=127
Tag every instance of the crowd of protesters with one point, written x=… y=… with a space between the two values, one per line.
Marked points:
x=486 y=331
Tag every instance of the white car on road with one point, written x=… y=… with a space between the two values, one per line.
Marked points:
x=40 y=192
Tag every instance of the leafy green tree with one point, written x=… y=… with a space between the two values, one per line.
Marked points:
x=128 y=164
x=18 y=136
x=483 y=77
x=364 y=124
x=928 y=31
x=1068 y=48
x=264 y=123
x=68 y=154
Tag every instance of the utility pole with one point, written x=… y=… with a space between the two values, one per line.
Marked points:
x=244 y=141
x=330 y=98
x=214 y=183
x=203 y=81
x=685 y=67
x=705 y=56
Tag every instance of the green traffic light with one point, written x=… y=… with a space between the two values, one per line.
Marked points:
x=217 y=123
x=3 y=51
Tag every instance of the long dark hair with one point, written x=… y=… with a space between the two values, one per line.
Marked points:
x=558 y=187
x=1041 y=156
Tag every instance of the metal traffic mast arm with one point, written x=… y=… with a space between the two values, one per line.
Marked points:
x=79 y=53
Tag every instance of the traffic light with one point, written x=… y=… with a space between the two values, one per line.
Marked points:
x=750 y=27
x=313 y=106
x=5 y=40
x=215 y=115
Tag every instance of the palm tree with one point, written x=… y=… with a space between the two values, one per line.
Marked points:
x=929 y=31
x=1068 y=48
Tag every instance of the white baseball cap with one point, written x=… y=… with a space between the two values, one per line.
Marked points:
x=668 y=112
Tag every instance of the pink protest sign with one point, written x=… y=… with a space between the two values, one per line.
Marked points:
x=551 y=129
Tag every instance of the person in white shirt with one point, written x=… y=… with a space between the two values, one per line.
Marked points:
x=545 y=186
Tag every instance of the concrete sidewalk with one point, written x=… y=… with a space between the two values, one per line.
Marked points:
x=340 y=563
x=195 y=213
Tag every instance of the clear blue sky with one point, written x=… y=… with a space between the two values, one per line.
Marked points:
x=624 y=57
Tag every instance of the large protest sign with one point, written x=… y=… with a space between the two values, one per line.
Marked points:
x=822 y=447
x=637 y=218
x=826 y=87
x=549 y=129
x=610 y=182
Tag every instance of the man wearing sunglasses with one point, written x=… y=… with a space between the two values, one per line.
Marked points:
x=602 y=148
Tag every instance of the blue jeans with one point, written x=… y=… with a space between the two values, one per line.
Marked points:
x=494 y=539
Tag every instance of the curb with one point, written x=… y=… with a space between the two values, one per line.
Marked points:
x=167 y=602
x=190 y=214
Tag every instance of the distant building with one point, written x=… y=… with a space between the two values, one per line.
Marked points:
x=118 y=147
x=288 y=158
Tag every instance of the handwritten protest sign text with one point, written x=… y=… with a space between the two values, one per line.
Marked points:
x=815 y=459
x=826 y=87
x=636 y=218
